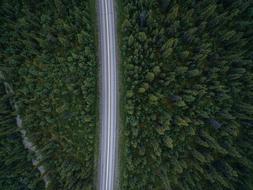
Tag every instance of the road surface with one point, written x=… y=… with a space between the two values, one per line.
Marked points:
x=108 y=61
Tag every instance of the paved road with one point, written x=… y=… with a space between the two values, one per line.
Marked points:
x=108 y=60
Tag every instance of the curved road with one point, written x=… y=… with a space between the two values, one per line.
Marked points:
x=108 y=61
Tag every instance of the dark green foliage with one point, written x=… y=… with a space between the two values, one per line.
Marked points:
x=191 y=128
x=16 y=170
x=48 y=56
x=164 y=4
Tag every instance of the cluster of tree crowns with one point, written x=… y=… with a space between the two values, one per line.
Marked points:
x=188 y=80
x=48 y=57
x=188 y=110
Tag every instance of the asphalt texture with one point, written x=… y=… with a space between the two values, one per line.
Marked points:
x=108 y=117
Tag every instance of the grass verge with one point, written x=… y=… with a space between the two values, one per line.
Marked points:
x=94 y=19
x=121 y=140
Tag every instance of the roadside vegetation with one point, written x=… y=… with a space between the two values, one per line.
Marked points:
x=188 y=107
x=48 y=57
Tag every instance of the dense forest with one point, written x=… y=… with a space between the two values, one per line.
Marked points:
x=16 y=171
x=186 y=99
x=48 y=58
x=188 y=94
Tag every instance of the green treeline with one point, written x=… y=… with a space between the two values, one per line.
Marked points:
x=188 y=107
x=48 y=56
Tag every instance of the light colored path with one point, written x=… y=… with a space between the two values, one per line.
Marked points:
x=26 y=142
x=109 y=107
